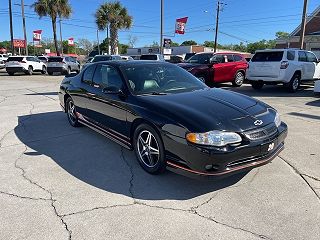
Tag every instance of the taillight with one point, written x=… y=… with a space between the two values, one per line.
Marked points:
x=284 y=65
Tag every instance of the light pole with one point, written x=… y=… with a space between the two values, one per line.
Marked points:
x=303 y=24
x=161 y=27
x=61 y=42
x=11 y=26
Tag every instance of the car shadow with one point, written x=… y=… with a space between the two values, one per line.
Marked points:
x=271 y=91
x=97 y=161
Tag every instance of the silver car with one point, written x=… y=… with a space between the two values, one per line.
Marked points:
x=63 y=65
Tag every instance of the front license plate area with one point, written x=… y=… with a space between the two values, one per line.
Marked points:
x=269 y=147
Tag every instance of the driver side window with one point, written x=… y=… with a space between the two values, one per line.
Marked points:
x=107 y=76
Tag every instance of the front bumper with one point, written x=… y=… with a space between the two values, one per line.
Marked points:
x=193 y=163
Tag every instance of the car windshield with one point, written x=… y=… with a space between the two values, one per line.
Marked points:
x=101 y=58
x=160 y=79
x=200 y=58
x=55 y=59
x=274 y=56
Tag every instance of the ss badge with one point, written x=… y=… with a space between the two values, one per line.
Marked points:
x=271 y=147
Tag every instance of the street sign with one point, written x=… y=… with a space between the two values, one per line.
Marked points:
x=19 y=43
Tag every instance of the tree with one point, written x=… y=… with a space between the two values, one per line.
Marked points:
x=115 y=15
x=86 y=45
x=174 y=44
x=282 y=35
x=211 y=45
x=189 y=43
x=263 y=44
x=123 y=48
x=155 y=44
x=55 y=9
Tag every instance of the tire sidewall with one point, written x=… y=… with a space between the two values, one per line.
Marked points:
x=235 y=79
x=161 y=164
x=76 y=122
x=30 y=70
x=291 y=84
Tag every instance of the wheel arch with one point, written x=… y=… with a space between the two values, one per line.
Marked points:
x=137 y=122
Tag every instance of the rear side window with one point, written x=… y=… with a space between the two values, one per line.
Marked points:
x=218 y=59
x=55 y=59
x=88 y=74
x=15 y=59
x=311 y=57
x=230 y=58
x=290 y=55
x=237 y=58
x=302 y=56
x=148 y=57
x=101 y=58
x=274 y=56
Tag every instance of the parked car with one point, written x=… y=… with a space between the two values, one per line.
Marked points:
x=43 y=59
x=63 y=65
x=126 y=58
x=175 y=59
x=286 y=66
x=153 y=57
x=188 y=55
x=2 y=64
x=135 y=57
x=214 y=68
x=171 y=119
x=3 y=57
x=100 y=58
x=25 y=64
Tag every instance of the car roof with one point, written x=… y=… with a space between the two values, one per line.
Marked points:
x=119 y=63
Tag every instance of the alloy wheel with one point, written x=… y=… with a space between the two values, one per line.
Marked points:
x=239 y=78
x=72 y=112
x=295 y=83
x=148 y=148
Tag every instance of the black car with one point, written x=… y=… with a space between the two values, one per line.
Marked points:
x=171 y=119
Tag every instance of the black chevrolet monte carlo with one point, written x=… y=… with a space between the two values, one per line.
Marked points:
x=171 y=119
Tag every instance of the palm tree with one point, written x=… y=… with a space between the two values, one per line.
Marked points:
x=55 y=9
x=115 y=15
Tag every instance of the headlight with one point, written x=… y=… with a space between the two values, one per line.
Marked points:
x=214 y=138
x=277 y=120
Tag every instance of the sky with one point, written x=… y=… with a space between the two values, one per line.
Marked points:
x=240 y=20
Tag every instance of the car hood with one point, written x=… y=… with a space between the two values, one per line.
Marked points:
x=188 y=65
x=211 y=109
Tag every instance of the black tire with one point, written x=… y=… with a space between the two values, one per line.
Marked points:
x=72 y=117
x=150 y=160
x=257 y=85
x=29 y=71
x=238 y=79
x=10 y=73
x=50 y=73
x=294 y=83
x=44 y=70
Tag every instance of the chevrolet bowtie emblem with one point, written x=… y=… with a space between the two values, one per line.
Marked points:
x=258 y=122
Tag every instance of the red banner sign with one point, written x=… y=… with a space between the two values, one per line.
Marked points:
x=19 y=43
x=71 y=42
x=37 y=35
x=181 y=25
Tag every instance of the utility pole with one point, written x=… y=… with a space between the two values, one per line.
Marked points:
x=108 y=42
x=217 y=27
x=161 y=28
x=303 y=24
x=98 y=41
x=11 y=26
x=61 y=42
x=24 y=26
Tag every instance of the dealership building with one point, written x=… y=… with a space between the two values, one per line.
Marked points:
x=312 y=35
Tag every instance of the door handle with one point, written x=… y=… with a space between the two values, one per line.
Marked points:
x=96 y=85
x=91 y=94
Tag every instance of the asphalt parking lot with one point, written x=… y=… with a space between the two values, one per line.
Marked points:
x=58 y=182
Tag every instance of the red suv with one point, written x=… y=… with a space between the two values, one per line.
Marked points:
x=214 y=68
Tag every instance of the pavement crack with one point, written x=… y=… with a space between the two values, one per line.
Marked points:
x=302 y=175
x=23 y=197
x=131 y=191
x=41 y=94
x=235 y=228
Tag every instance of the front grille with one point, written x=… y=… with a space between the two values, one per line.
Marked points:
x=262 y=133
